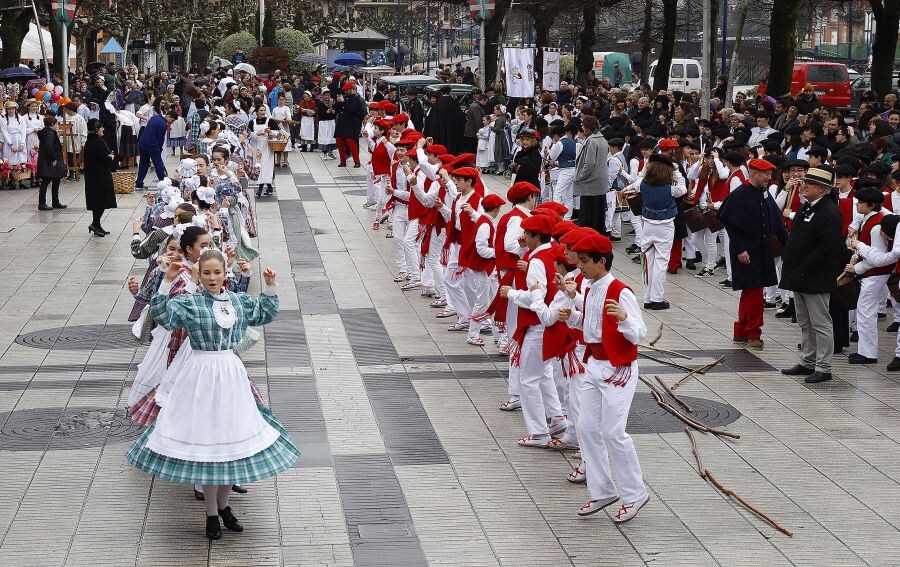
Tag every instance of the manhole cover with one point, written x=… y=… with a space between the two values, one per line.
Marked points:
x=56 y=429
x=80 y=337
x=358 y=192
x=350 y=178
x=647 y=417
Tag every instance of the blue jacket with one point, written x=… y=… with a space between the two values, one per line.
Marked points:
x=658 y=202
x=154 y=134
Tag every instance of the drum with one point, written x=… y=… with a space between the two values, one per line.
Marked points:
x=713 y=223
x=693 y=218
x=635 y=203
x=621 y=202
x=848 y=290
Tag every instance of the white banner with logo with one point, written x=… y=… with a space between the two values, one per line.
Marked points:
x=551 y=70
x=519 y=71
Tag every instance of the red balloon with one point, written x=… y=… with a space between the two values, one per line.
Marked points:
x=54 y=97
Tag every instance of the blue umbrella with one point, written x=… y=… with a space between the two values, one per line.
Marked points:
x=17 y=73
x=350 y=59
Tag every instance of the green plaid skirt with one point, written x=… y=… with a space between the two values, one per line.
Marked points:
x=272 y=460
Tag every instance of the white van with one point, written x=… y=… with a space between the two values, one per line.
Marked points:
x=685 y=75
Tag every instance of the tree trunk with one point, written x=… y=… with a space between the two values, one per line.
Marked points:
x=713 y=39
x=646 y=46
x=492 y=32
x=584 y=55
x=782 y=44
x=13 y=28
x=884 y=45
x=56 y=37
x=670 y=19
x=738 y=34
x=543 y=21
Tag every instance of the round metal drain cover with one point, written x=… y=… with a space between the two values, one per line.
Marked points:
x=357 y=192
x=350 y=178
x=647 y=417
x=55 y=429
x=80 y=337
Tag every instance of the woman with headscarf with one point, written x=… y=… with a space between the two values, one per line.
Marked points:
x=98 y=184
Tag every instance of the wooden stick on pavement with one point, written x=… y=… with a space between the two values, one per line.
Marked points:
x=666 y=351
x=658 y=336
x=669 y=362
x=696 y=451
x=712 y=478
x=672 y=395
x=701 y=370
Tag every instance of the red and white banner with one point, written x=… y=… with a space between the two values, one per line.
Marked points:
x=519 y=71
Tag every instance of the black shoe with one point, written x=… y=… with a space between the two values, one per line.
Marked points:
x=96 y=231
x=894 y=365
x=671 y=271
x=229 y=520
x=893 y=327
x=636 y=259
x=356 y=166
x=103 y=230
x=213 y=528
x=770 y=305
x=882 y=315
x=657 y=305
x=59 y=206
x=633 y=249
x=198 y=495
x=854 y=337
x=698 y=257
x=259 y=191
x=786 y=311
x=342 y=164
x=721 y=262
x=238 y=488
x=798 y=370
x=725 y=283
x=690 y=265
x=817 y=377
x=45 y=208
x=615 y=239
x=857 y=358
x=837 y=350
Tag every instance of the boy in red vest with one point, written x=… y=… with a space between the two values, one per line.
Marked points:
x=460 y=186
x=382 y=151
x=610 y=318
x=478 y=255
x=509 y=253
x=429 y=195
x=537 y=345
x=873 y=285
x=405 y=255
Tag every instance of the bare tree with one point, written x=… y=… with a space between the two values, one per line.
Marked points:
x=887 y=18
x=670 y=16
x=782 y=46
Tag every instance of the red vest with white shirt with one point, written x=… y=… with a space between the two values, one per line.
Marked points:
x=613 y=345
x=865 y=236
x=468 y=252
x=558 y=341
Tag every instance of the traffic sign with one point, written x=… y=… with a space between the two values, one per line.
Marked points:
x=481 y=9
x=64 y=12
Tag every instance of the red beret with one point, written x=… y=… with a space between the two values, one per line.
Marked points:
x=539 y=224
x=464 y=158
x=668 y=144
x=436 y=149
x=547 y=213
x=573 y=236
x=557 y=208
x=447 y=159
x=388 y=107
x=348 y=86
x=385 y=125
x=466 y=172
x=336 y=74
x=521 y=189
x=376 y=105
x=593 y=244
x=409 y=140
x=559 y=253
x=563 y=227
x=401 y=119
x=760 y=165
x=492 y=201
x=409 y=131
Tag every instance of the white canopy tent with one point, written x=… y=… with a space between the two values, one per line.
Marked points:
x=31 y=45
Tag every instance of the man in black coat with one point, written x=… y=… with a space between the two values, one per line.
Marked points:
x=350 y=110
x=811 y=263
x=752 y=218
x=413 y=107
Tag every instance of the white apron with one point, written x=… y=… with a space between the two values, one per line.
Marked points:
x=326 y=132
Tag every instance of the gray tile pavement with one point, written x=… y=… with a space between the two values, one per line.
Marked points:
x=406 y=459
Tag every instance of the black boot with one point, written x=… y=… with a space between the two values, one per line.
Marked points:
x=229 y=520
x=198 y=495
x=213 y=528
x=259 y=190
x=238 y=489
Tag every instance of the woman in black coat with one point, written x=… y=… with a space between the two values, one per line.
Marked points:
x=51 y=166
x=527 y=163
x=98 y=184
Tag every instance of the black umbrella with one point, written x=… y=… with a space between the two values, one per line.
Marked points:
x=17 y=73
x=96 y=65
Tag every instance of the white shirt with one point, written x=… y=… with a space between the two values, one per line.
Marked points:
x=513 y=232
x=483 y=245
x=536 y=274
x=588 y=314
x=879 y=244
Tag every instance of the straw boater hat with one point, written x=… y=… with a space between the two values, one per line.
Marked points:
x=819 y=177
x=11 y=104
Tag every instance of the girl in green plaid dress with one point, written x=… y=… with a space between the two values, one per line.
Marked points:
x=211 y=430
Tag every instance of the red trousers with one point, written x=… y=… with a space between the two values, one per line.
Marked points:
x=675 y=256
x=750 y=314
x=343 y=144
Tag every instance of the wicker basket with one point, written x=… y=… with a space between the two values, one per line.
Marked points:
x=123 y=181
x=277 y=145
x=22 y=175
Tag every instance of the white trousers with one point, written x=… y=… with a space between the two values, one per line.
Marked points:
x=562 y=190
x=872 y=294
x=512 y=318
x=706 y=243
x=770 y=293
x=371 y=191
x=456 y=288
x=380 y=183
x=484 y=288
x=657 y=248
x=601 y=426
x=573 y=386
x=613 y=219
x=562 y=388
x=723 y=237
x=637 y=222
x=411 y=249
x=435 y=272
x=402 y=256
x=537 y=391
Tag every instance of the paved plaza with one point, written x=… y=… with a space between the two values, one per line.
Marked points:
x=406 y=458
